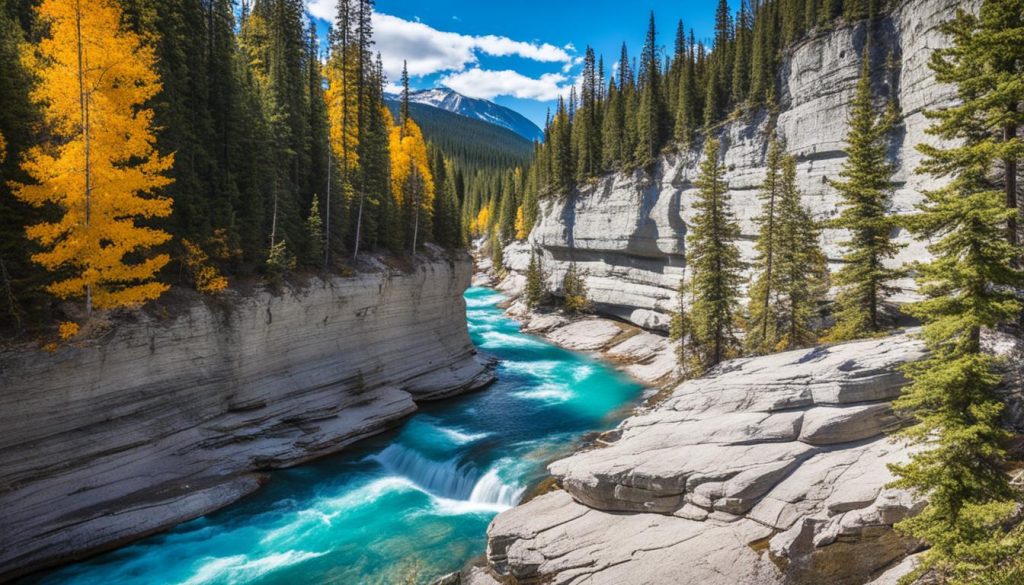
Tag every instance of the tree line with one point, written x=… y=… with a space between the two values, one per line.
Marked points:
x=148 y=142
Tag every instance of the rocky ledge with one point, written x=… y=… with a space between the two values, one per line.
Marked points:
x=770 y=470
x=160 y=421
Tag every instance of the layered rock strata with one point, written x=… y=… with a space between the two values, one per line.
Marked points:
x=160 y=421
x=627 y=231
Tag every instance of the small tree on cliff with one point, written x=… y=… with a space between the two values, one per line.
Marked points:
x=574 y=289
x=790 y=270
x=714 y=259
x=536 y=291
x=864 y=280
x=497 y=254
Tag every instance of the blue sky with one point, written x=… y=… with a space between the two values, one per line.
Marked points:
x=518 y=53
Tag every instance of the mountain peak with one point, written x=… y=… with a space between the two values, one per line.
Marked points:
x=450 y=100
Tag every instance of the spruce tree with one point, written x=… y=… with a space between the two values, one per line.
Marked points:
x=713 y=260
x=801 y=266
x=651 y=114
x=763 y=325
x=985 y=63
x=536 y=290
x=575 y=299
x=865 y=280
x=969 y=287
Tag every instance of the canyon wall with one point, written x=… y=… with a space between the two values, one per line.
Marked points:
x=162 y=420
x=628 y=230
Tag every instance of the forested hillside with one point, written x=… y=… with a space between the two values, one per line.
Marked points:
x=469 y=142
x=253 y=150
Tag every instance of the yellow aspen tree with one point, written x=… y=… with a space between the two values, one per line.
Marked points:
x=521 y=233
x=342 y=97
x=409 y=155
x=100 y=166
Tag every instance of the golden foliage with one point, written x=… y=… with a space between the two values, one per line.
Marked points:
x=3 y=148
x=67 y=330
x=409 y=155
x=342 y=97
x=481 y=223
x=521 y=233
x=205 y=276
x=100 y=167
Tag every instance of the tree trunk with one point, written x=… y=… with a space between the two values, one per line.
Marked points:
x=1009 y=133
x=84 y=101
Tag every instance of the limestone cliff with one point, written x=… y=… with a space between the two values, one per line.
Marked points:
x=161 y=421
x=628 y=231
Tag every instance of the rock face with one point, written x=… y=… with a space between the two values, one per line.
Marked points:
x=160 y=422
x=628 y=231
x=772 y=470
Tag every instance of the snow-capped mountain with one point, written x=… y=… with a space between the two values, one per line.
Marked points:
x=478 y=109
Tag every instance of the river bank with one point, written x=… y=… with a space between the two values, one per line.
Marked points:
x=768 y=471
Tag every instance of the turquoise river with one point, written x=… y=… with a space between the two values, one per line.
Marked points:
x=403 y=507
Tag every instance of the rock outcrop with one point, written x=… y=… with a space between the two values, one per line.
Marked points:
x=162 y=421
x=772 y=470
x=628 y=231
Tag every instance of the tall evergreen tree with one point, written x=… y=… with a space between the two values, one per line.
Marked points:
x=714 y=263
x=969 y=288
x=651 y=115
x=762 y=331
x=865 y=279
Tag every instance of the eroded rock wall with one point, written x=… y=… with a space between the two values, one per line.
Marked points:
x=628 y=231
x=159 y=422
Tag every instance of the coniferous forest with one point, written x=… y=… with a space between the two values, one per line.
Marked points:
x=254 y=150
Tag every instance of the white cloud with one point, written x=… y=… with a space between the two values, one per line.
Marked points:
x=488 y=84
x=428 y=50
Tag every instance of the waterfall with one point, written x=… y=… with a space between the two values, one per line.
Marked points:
x=450 y=479
x=491 y=490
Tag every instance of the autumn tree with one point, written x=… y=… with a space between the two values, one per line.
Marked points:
x=412 y=183
x=575 y=296
x=100 y=168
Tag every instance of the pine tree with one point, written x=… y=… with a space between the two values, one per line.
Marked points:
x=969 y=288
x=985 y=62
x=714 y=261
x=536 y=290
x=865 y=280
x=101 y=168
x=763 y=333
x=21 y=284
x=651 y=114
x=741 y=56
x=575 y=299
x=801 y=266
